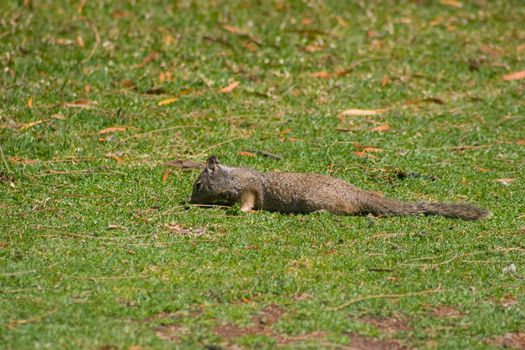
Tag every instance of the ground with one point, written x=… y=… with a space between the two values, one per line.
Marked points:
x=107 y=106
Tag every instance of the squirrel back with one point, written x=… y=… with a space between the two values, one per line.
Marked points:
x=305 y=193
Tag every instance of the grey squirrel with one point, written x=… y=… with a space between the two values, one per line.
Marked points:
x=306 y=193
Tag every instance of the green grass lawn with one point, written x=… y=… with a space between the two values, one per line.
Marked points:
x=100 y=250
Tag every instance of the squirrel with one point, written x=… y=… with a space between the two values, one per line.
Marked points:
x=308 y=192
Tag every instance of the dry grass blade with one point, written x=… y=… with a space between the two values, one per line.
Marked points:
x=388 y=296
x=362 y=112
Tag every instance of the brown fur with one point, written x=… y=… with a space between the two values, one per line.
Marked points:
x=305 y=193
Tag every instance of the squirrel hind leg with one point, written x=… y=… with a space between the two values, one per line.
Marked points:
x=249 y=201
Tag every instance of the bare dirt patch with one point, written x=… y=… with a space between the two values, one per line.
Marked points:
x=446 y=311
x=359 y=342
x=510 y=340
x=229 y=330
x=170 y=332
x=270 y=315
x=262 y=325
x=287 y=339
x=388 y=325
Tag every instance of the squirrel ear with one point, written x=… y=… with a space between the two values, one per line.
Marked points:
x=212 y=164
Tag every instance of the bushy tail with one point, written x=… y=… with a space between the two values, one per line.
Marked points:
x=383 y=206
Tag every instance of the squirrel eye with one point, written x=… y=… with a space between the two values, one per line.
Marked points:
x=198 y=186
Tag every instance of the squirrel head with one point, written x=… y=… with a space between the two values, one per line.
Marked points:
x=214 y=184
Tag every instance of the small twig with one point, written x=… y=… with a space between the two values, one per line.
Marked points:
x=455 y=257
x=458 y=256
x=14 y=323
x=208 y=205
x=427 y=257
x=387 y=296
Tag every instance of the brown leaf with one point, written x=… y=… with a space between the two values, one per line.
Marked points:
x=166 y=175
x=127 y=83
x=247 y=154
x=86 y=104
x=250 y=46
x=313 y=48
x=169 y=39
x=452 y=3
x=321 y=74
x=514 y=76
x=80 y=41
x=148 y=59
x=115 y=156
x=229 y=88
x=30 y=102
x=362 y=112
x=520 y=48
x=343 y=72
x=31 y=124
x=118 y=14
x=163 y=76
x=382 y=128
x=167 y=101
x=306 y=21
x=112 y=129
x=385 y=81
x=521 y=142
x=233 y=30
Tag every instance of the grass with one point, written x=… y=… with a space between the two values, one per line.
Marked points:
x=98 y=249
